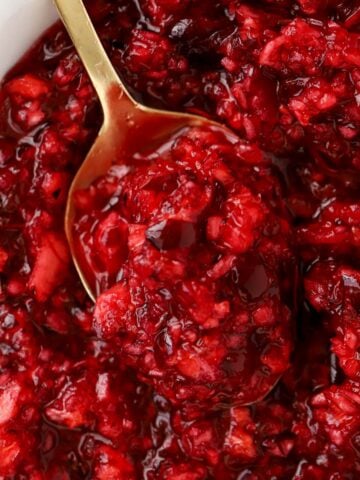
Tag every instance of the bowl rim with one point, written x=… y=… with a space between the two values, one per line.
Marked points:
x=17 y=33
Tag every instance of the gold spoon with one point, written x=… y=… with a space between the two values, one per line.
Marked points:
x=128 y=127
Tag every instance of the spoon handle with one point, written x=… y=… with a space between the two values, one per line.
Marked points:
x=90 y=49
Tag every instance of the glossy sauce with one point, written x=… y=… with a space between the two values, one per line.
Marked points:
x=286 y=79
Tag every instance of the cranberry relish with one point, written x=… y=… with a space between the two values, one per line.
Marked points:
x=76 y=399
x=198 y=239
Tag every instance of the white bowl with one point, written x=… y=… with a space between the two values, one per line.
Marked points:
x=21 y=23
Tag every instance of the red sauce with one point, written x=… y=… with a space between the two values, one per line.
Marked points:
x=197 y=241
x=112 y=392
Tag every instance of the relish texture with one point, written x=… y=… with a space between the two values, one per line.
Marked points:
x=225 y=341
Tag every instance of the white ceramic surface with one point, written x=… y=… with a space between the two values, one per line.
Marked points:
x=21 y=23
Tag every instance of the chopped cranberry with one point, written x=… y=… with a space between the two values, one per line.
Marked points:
x=53 y=251
x=225 y=340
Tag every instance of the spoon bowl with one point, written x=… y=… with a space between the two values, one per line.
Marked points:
x=128 y=127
